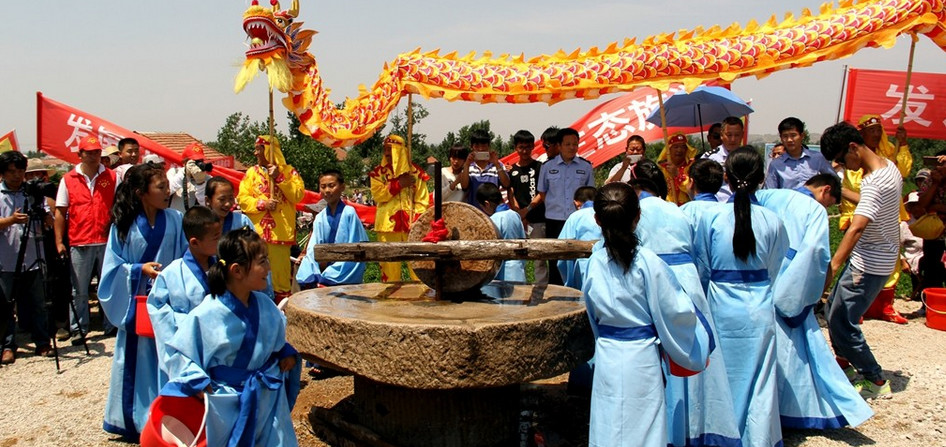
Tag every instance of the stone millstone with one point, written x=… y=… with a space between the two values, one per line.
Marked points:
x=464 y=222
x=398 y=335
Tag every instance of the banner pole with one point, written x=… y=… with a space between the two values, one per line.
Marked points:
x=837 y=118
x=663 y=114
x=39 y=120
x=906 y=87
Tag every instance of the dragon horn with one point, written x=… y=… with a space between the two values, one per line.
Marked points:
x=275 y=4
x=294 y=9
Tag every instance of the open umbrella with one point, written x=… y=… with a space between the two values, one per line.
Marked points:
x=705 y=103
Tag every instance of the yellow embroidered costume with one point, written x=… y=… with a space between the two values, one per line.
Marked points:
x=397 y=206
x=678 y=181
x=278 y=226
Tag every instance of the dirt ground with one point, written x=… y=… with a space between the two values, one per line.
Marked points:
x=39 y=407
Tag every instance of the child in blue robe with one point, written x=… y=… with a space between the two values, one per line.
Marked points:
x=580 y=225
x=707 y=178
x=699 y=407
x=638 y=312
x=738 y=249
x=219 y=197
x=182 y=285
x=144 y=237
x=337 y=223
x=509 y=226
x=814 y=393
x=232 y=351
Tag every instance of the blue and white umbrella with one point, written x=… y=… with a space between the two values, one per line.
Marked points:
x=708 y=104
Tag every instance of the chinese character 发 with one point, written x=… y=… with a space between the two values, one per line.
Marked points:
x=81 y=127
x=916 y=104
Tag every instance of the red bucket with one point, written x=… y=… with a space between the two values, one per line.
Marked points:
x=935 y=301
x=175 y=421
x=142 y=320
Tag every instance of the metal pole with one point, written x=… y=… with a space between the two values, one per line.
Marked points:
x=837 y=119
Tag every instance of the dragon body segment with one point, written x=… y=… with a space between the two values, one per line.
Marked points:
x=692 y=57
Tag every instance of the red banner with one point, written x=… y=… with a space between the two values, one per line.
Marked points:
x=880 y=92
x=605 y=129
x=60 y=127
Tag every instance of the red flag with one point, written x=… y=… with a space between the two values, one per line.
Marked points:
x=8 y=142
x=880 y=92
x=605 y=129
x=60 y=128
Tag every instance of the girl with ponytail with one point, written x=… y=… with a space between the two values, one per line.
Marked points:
x=145 y=236
x=206 y=358
x=739 y=249
x=635 y=304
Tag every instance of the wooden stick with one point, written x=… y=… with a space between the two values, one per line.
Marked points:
x=410 y=120
x=663 y=117
x=455 y=250
x=906 y=88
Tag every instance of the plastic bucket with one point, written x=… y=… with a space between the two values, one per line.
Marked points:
x=142 y=320
x=935 y=301
x=175 y=421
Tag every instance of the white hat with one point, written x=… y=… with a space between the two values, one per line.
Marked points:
x=913 y=197
x=152 y=158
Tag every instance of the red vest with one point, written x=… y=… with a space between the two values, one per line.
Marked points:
x=89 y=211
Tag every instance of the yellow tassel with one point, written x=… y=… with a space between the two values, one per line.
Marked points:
x=279 y=75
x=247 y=73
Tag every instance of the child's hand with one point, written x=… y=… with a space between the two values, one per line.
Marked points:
x=151 y=269
x=287 y=363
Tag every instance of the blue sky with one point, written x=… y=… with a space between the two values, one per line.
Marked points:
x=169 y=66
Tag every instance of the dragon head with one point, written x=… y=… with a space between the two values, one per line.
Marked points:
x=270 y=44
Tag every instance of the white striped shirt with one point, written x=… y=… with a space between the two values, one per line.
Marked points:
x=878 y=249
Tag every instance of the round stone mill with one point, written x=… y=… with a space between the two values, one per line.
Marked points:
x=439 y=363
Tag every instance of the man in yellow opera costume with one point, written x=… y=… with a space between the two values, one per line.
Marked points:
x=871 y=128
x=268 y=194
x=399 y=188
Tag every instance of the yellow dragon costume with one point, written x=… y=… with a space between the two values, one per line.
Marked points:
x=279 y=45
x=276 y=227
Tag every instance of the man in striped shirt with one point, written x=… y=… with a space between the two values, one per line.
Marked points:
x=868 y=252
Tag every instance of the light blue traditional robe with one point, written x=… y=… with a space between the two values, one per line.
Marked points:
x=636 y=316
x=178 y=289
x=509 y=225
x=134 y=376
x=695 y=208
x=235 y=349
x=740 y=297
x=581 y=225
x=700 y=407
x=234 y=221
x=342 y=227
x=813 y=390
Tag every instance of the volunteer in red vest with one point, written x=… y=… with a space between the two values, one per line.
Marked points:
x=82 y=215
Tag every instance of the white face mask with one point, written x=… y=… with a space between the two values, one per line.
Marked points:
x=634 y=158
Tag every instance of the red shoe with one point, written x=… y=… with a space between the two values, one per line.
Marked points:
x=894 y=317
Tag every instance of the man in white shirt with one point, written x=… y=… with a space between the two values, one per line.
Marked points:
x=732 y=133
x=632 y=154
x=451 y=190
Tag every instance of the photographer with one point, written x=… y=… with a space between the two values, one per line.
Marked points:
x=28 y=297
x=185 y=194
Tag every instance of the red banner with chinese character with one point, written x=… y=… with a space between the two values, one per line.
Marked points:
x=880 y=92
x=605 y=129
x=60 y=127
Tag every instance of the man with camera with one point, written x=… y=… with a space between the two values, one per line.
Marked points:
x=83 y=207
x=187 y=182
x=25 y=291
x=482 y=166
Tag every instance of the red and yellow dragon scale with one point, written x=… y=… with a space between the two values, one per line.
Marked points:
x=279 y=47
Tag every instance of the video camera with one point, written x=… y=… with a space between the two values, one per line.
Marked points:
x=204 y=165
x=37 y=189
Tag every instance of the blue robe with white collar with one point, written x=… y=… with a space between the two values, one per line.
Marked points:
x=509 y=225
x=581 y=225
x=134 y=377
x=342 y=227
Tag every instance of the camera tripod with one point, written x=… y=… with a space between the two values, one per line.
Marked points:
x=36 y=215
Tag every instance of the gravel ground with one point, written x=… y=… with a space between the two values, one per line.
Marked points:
x=39 y=407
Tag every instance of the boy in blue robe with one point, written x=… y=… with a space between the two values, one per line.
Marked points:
x=699 y=407
x=580 y=225
x=509 y=225
x=638 y=311
x=182 y=285
x=707 y=176
x=139 y=244
x=814 y=393
x=337 y=223
x=231 y=351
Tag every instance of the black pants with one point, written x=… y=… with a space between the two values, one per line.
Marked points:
x=552 y=229
x=931 y=265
